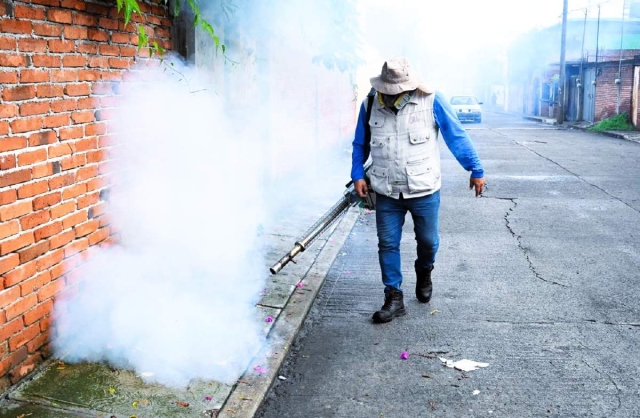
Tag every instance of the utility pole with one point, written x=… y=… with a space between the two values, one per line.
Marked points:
x=581 y=76
x=563 y=47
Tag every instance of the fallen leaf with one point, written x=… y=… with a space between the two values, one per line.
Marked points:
x=112 y=390
x=182 y=404
x=303 y=356
x=426 y=376
x=432 y=404
x=433 y=312
x=475 y=392
x=135 y=404
x=144 y=402
x=463 y=365
x=404 y=355
x=244 y=398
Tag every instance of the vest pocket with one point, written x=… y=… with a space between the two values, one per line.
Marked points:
x=379 y=179
x=420 y=178
x=377 y=148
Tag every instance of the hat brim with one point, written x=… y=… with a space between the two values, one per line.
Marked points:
x=393 y=89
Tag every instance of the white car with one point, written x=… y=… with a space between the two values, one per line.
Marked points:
x=467 y=108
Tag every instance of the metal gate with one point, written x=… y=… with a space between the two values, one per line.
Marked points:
x=589 y=92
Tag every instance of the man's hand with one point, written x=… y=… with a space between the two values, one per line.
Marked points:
x=478 y=184
x=361 y=188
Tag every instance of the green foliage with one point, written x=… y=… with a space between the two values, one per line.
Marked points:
x=616 y=123
x=128 y=7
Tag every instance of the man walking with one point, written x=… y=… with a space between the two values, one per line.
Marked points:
x=400 y=132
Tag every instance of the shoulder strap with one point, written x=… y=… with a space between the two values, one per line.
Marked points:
x=367 y=128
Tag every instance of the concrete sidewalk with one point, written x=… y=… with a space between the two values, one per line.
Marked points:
x=59 y=390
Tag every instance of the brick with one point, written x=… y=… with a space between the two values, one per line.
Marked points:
x=76 y=247
x=8 y=77
x=87 y=173
x=84 y=19
x=8 y=196
x=60 y=76
x=61 y=181
x=47 y=29
x=26 y=12
x=33 y=251
x=8 y=110
x=75 y=32
x=88 y=75
x=112 y=50
x=61 y=46
x=7 y=43
x=42 y=138
x=98 y=236
x=88 y=102
x=73 y=4
x=121 y=38
x=9 y=262
x=105 y=114
x=45 y=170
x=7 y=330
x=83 y=117
x=56 y=121
x=31 y=157
x=19 y=93
x=40 y=311
x=14 y=177
x=16 y=243
x=45 y=201
x=71 y=133
x=95 y=129
x=74 y=61
x=86 y=144
x=34 y=76
x=62 y=209
x=8 y=229
x=7 y=162
x=63 y=105
x=32 y=45
x=73 y=220
x=36 y=344
x=51 y=289
x=46 y=61
x=12 y=143
x=49 y=91
x=64 y=238
x=34 y=108
x=82 y=89
x=73 y=161
x=33 y=189
x=47 y=231
x=86 y=228
x=88 y=200
x=98 y=62
x=7 y=297
x=50 y=259
x=4 y=128
x=23 y=337
x=15 y=26
x=59 y=16
x=60 y=150
x=97 y=35
x=13 y=60
x=128 y=51
x=102 y=88
x=74 y=191
x=34 y=219
x=26 y=124
x=108 y=23
x=120 y=63
x=88 y=48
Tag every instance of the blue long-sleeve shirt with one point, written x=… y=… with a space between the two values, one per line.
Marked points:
x=454 y=135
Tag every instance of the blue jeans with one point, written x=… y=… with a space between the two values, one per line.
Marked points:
x=390 y=215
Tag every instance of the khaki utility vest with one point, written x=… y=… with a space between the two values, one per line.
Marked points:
x=404 y=148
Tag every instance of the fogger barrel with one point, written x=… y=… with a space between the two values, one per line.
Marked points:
x=349 y=198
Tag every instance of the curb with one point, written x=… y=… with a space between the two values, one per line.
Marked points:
x=548 y=121
x=251 y=389
x=611 y=134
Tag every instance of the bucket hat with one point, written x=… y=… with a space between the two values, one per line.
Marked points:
x=397 y=76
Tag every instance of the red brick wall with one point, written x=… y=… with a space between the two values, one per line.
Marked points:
x=607 y=91
x=60 y=64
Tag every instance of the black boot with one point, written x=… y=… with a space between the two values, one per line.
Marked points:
x=393 y=306
x=424 y=287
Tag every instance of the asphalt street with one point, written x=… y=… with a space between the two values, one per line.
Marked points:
x=538 y=278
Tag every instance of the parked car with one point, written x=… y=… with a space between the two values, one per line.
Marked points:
x=467 y=108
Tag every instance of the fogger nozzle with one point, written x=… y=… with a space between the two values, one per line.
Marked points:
x=297 y=249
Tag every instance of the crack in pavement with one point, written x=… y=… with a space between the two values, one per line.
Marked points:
x=615 y=384
x=519 y=240
x=584 y=321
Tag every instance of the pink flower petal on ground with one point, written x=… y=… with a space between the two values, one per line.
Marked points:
x=208 y=398
x=347 y=272
x=259 y=369
x=404 y=355
x=300 y=285
x=269 y=319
